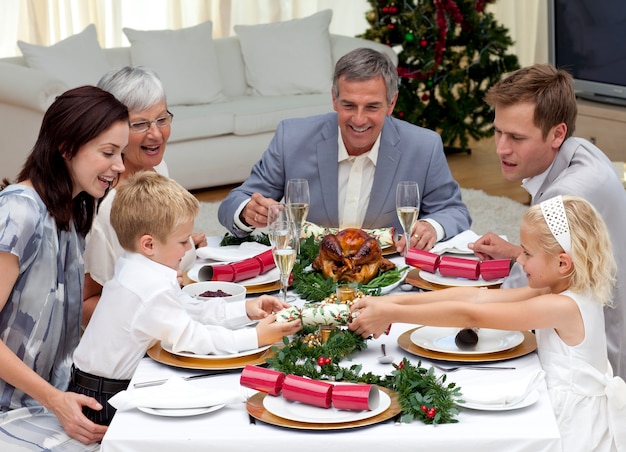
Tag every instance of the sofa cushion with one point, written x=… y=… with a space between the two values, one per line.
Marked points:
x=245 y=115
x=184 y=59
x=192 y=122
x=291 y=57
x=76 y=61
x=255 y=114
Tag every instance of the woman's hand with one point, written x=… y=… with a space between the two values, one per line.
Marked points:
x=68 y=408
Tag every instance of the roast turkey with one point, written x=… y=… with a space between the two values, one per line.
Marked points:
x=351 y=255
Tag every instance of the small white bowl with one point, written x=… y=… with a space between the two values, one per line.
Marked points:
x=237 y=291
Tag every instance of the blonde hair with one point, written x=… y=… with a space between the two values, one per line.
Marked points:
x=152 y=204
x=594 y=266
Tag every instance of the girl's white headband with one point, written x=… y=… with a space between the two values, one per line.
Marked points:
x=554 y=213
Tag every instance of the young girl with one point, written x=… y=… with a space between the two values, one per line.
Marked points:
x=566 y=255
x=44 y=218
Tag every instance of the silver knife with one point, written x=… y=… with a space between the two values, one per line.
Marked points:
x=145 y=384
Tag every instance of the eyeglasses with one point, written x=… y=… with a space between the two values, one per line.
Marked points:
x=144 y=126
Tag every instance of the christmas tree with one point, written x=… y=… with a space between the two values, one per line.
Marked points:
x=450 y=54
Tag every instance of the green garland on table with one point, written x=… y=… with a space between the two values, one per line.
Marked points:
x=422 y=395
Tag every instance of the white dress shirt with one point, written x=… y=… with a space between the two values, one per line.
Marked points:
x=142 y=305
x=355 y=180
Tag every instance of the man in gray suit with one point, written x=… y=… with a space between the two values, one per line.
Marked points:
x=535 y=118
x=353 y=160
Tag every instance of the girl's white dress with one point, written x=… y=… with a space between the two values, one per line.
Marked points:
x=589 y=403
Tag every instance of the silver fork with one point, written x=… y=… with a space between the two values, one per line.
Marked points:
x=449 y=369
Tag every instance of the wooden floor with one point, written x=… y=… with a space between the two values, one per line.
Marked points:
x=479 y=169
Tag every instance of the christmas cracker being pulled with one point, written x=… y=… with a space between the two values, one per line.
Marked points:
x=317 y=315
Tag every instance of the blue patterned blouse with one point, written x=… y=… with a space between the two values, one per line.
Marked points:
x=40 y=322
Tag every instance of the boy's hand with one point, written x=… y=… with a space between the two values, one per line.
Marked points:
x=269 y=331
x=261 y=307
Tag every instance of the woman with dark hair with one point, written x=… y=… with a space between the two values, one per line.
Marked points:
x=44 y=218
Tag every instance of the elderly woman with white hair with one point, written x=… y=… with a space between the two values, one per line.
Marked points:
x=141 y=90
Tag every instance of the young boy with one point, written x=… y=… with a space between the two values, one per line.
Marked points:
x=143 y=304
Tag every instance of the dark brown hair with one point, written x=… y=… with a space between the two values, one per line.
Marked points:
x=550 y=89
x=74 y=118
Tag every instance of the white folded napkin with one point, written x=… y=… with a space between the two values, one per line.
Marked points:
x=457 y=244
x=175 y=393
x=231 y=253
x=502 y=394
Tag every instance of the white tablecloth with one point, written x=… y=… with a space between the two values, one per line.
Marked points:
x=529 y=429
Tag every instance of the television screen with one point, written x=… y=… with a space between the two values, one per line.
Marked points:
x=588 y=39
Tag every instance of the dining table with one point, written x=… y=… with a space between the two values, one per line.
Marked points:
x=233 y=427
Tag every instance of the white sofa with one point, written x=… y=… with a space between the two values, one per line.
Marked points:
x=210 y=145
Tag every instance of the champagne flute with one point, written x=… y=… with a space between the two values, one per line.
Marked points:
x=284 y=252
x=275 y=213
x=297 y=200
x=407 y=208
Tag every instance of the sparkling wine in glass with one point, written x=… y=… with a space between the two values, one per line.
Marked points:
x=407 y=208
x=283 y=238
x=297 y=201
x=275 y=213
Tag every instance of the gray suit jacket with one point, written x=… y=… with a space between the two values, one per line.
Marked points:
x=581 y=169
x=307 y=148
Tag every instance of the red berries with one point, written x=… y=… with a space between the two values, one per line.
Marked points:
x=322 y=361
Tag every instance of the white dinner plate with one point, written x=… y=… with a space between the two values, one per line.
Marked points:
x=271 y=276
x=301 y=412
x=168 y=348
x=441 y=339
x=436 y=278
x=179 y=412
x=526 y=401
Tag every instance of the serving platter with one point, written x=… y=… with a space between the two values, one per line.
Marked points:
x=161 y=356
x=257 y=410
x=528 y=345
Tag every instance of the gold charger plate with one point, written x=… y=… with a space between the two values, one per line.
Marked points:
x=263 y=288
x=255 y=408
x=414 y=278
x=161 y=356
x=528 y=345
x=386 y=251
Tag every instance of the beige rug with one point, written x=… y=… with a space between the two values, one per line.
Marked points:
x=489 y=213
